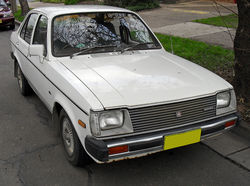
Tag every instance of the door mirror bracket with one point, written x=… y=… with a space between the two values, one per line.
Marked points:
x=37 y=50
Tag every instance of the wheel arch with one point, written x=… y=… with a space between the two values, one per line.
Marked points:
x=16 y=63
x=62 y=102
x=58 y=106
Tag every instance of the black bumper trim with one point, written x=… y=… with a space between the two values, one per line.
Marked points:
x=97 y=148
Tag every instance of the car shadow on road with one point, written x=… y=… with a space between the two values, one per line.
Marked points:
x=4 y=29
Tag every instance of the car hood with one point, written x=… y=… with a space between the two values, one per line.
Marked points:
x=143 y=78
x=3 y=9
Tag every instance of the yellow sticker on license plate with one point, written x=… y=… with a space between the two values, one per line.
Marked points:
x=0 y=20
x=182 y=139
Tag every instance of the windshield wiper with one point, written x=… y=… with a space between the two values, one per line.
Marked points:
x=134 y=46
x=82 y=51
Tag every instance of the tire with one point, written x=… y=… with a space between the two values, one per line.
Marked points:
x=23 y=84
x=74 y=151
x=12 y=27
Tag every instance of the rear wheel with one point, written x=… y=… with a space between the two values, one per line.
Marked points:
x=23 y=84
x=74 y=151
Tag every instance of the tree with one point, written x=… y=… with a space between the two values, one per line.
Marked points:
x=24 y=7
x=13 y=6
x=242 y=51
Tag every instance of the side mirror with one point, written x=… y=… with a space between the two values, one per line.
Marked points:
x=36 y=50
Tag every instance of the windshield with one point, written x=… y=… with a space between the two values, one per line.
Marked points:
x=2 y=3
x=100 y=32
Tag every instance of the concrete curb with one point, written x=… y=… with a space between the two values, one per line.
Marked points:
x=18 y=22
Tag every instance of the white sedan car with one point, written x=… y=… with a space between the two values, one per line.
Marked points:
x=113 y=91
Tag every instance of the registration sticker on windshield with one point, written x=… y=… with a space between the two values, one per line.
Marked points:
x=182 y=139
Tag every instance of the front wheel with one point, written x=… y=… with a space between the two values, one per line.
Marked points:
x=74 y=151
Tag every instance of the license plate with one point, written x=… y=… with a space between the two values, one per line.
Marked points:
x=0 y=20
x=182 y=139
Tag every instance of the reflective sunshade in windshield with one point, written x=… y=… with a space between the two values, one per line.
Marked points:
x=100 y=32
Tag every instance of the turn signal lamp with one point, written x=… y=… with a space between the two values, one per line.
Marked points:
x=230 y=123
x=81 y=123
x=118 y=149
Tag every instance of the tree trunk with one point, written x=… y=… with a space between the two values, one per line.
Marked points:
x=13 y=6
x=24 y=7
x=242 y=51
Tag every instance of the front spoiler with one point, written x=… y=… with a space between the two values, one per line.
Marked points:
x=142 y=145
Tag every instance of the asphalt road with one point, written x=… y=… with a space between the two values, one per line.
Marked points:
x=31 y=153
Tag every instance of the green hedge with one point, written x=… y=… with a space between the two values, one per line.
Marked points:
x=71 y=2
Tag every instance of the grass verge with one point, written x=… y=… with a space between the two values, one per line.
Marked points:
x=53 y=1
x=214 y=58
x=18 y=15
x=230 y=21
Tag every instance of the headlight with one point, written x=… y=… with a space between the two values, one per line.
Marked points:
x=110 y=120
x=226 y=102
x=223 y=99
x=113 y=122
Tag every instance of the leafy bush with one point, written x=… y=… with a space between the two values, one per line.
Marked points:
x=71 y=2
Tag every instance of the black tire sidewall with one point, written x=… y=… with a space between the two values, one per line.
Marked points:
x=25 y=86
x=76 y=157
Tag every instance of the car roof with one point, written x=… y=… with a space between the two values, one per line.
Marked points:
x=68 y=9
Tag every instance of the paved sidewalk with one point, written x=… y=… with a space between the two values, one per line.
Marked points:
x=207 y=33
x=175 y=19
x=233 y=145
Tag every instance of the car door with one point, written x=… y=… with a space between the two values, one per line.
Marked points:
x=39 y=68
x=23 y=41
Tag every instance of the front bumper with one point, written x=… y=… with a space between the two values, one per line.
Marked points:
x=8 y=21
x=142 y=145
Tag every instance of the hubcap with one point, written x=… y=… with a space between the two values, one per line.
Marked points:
x=68 y=136
x=19 y=77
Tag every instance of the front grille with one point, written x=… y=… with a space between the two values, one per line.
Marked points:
x=165 y=116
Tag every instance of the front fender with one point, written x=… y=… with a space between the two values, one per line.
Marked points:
x=74 y=114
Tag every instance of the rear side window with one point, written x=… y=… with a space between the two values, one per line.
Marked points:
x=40 y=35
x=28 y=27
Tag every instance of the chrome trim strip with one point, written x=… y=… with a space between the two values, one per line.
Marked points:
x=152 y=137
x=218 y=123
x=135 y=141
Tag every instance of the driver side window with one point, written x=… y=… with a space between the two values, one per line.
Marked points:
x=27 y=29
x=40 y=35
